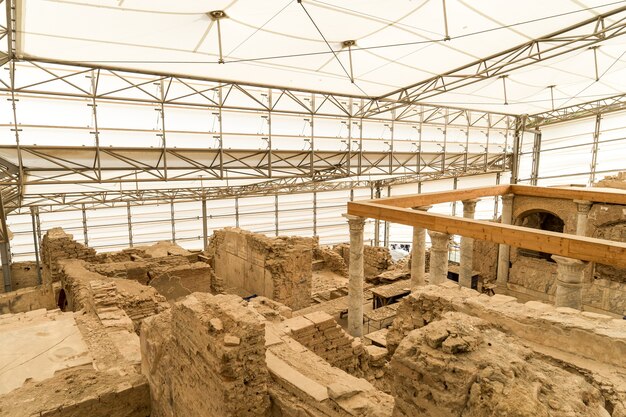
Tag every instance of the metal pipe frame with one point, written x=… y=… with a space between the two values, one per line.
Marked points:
x=582 y=35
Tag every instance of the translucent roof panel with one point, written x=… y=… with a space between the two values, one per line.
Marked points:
x=288 y=44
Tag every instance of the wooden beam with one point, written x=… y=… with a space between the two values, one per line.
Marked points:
x=601 y=196
x=571 y=246
x=426 y=199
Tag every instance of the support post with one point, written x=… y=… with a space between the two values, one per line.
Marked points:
x=582 y=216
x=85 y=235
x=36 y=245
x=569 y=282
x=130 y=225
x=356 y=276
x=205 y=230
x=418 y=254
x=467 y=248
x=314 y=214
x=440 y=243
x=504 y=251
x=236 y=211
x=5 y=248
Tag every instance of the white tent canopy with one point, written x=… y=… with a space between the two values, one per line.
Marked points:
x=282 y=43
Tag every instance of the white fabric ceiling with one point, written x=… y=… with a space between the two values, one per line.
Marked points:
x=178 y=37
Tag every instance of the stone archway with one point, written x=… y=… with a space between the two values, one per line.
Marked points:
x=542 y=220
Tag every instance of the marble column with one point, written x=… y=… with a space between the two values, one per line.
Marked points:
x=582 y=215
x=418 y=254
x=356 y=276
x=569 y=282
x=438 y=257
x=504 y=251
x=467 y=247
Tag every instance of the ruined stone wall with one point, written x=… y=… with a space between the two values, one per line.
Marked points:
x=594 y=336
x=57 y=245
x=278 y=268
x=26 y=299
x=174 y=276
x=463 y=366
x=485 y=260
x=304 y=384
x=376 y=259
x=206 y=358
x=333 y=261
x=320 y=333
x=23 y=275
x=81 y=289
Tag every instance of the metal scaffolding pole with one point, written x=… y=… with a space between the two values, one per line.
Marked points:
x=314 y=214
x=205 y=230
x=85 y=236
x=130 y=225
x=36 y=245
x=594 y=150
x=534 y=174
x=5 y=248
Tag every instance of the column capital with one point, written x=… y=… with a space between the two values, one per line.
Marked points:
x=469 y=206
x=355 y=222
x=583 y=206
x=508 y=198
x=439 y=240
x=569 y=264
x=422 y=208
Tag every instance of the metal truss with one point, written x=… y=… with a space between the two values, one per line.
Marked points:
x=329 y=180
x=39 y=165
x=75 y=165
x=578 y=111
x=582 y=35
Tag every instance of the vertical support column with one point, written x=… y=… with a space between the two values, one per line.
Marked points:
x=467 y=247
x=582 y=216
x=569 y=282
x=205 y=230
x=386 y=225
x=5 y=248
x=36 y=244
x=440 y=243
x=130 y=225
x=594 y=149
x=356 y=276
x=376 y=221
x=534 y=173
x=85 y=235
x=418 y=254
x=504 y=251
x=173 y=221
x=236 y=211
x=314 y=213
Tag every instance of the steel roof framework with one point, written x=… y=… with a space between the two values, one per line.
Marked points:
x=269 y=171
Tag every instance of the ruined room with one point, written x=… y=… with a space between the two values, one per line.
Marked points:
x=312 y=208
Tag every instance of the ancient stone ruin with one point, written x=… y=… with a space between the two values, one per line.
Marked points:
x=258 y=326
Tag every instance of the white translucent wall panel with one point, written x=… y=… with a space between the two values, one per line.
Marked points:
x=53 y=122
x=107 y=229
x=188 y=224
x=22 y=246
x=257 y=214
x=612 y=144
x=220 y=214
x=129 y=125
x=295 y=216
x=526 y=157
x=567 y=150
